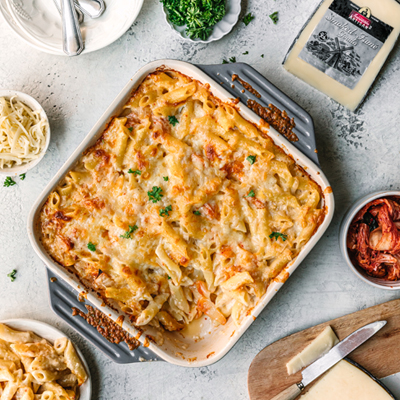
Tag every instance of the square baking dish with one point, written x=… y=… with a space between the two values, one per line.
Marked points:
x=205 y=344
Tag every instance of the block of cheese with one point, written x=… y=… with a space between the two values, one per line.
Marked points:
x=344 y=45
x=316 y=349
x=345 y=381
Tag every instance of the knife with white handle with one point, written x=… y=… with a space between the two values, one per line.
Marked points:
x=326 y=362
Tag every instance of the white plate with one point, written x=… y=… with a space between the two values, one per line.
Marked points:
x=50 y=333
x=38 y=22
x=184 y=351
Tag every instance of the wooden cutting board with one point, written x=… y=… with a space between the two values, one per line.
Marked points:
x=380 y=355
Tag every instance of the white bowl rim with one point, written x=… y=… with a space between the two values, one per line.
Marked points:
x=344 y=228
x=35 y=105
x=32 y=324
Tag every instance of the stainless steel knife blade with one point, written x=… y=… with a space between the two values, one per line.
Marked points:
x=340 y=351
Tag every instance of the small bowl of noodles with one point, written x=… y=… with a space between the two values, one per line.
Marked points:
x=24 y=132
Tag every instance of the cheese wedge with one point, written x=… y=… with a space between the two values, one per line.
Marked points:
x=342 y=48
x=316 y=349
x=345 y=381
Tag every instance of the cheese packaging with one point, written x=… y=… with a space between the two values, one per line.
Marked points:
x=344 y=45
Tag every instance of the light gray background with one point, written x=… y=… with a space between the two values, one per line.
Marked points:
x=359 y=153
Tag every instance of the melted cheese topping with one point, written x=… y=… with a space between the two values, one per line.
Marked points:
x=169 y=218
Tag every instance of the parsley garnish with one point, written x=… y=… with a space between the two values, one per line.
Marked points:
x=130 y=128
x=199 y=16
x=275 y=17
x=232 y=59
x=196 y=212
x=155 y=194
x=137 y=172
x=169 y=277
x=224 y=61
x=164 y=211
x=262 y=55
x=9 y=182
x=22 y=177
x=12 y=274
x=165 y=178
x=277 y=235
x=251 y=159
x=91 y=246
x=173 y=120
x=248 y=18
x=251 y=194
x=128 y=233
x=245 y=53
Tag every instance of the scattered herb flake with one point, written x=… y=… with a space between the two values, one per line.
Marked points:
x=245 y=53
x=22 y=177
x=277 y=235
x=248 y=18
x=91 y=246
x=165 y=211
x=275 y=17
x=165 y=178
x=12 y=274
x=137 y=172
x=251 y=194
x=9 y=182
x=155 y=194
x=224 y=61
x=169 y=277
x=130 y=128
x=232 y=59
x=262 y=55
x=251 y=159
x=196 y=212
x=128 y=233
x=173 y=120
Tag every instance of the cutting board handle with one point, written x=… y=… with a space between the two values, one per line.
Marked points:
x=289 y=394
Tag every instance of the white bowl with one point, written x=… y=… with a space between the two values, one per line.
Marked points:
x=34 y=105
x=50 y=333
x=222 y=28
x=344 y=228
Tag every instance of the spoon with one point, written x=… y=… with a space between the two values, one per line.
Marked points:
x=72 y=37
x=78 y=12
x=92 y=8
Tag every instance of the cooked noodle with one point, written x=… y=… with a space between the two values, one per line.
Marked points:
x=23 y=133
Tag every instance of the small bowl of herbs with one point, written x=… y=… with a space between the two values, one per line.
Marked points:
x=202 y=21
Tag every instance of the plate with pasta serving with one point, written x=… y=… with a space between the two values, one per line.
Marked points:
x=181 y=213
x=37 y=361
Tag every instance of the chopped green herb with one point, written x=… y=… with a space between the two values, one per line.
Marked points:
x=262 y=55
x=128 y=233
x=199 y=16
x=164 y=211
x=165 y=178
x=9 y=182
x=137 y=172
x=275 y=17
x=248 y=18
x=251 y=194
x=251 y=159
x=22 y=177
x=224 y=61
x=232 y=59
x=169 y=277
x=245 y=53
x=173 y=120
x=130 y=128
x=91 y=246
x=196 y=212
x=12 y=274
x=155 y=194
x=277 y=235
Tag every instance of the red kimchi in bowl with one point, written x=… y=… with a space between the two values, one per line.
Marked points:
x=373 y=239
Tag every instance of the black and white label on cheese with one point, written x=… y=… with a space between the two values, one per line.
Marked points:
x=345 y=42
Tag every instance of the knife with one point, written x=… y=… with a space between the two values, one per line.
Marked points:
x=336 y=354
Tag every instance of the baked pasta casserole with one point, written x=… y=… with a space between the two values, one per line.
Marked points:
x=181 y=208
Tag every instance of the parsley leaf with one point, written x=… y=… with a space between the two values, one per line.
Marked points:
x=248 y=18
x=245 y=53
x=165 y=178
x=169 y=277
x=251 y=159
x=277 y=235
x=137 y=172
x=155 y=194
x=12 y=274
x=275 y=17
x=128 y=233
x=91 y=246
x=9 y=182
x=232 y=59
x=196 y=212
x=130 y=129
x=173 y=120
x=224 y=61
x=251 y=194
x=22 y=177
x=262 y=55
x=164 y=211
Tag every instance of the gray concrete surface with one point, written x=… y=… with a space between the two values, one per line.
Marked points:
x=359 y=153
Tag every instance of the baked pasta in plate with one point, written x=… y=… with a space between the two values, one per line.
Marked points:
x=181 y=208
